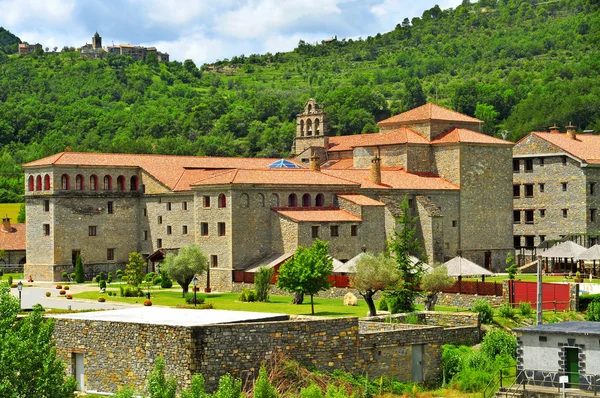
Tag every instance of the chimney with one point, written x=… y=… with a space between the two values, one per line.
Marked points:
x=555 y=129
x=376 y=170
x=6 y=224
x=571 y=131
x=315 y=162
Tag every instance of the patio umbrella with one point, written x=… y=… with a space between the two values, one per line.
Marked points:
x=459 y=267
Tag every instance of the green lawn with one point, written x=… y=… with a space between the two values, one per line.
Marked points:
x=228 y=301
x=12 y=209
x=530 y=278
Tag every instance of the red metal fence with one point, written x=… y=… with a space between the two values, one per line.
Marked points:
x=555 y=296
x=473 y=287
x=341 y=281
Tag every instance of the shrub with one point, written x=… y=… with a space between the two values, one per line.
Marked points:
x=228 y=387
x=160 y=386
x=525 y=308
x=69 y=296
x=263 y=388
x=147 y=303
x=79 y=275
x=247 y=296
x=62 y=292
x=498 y=342
x=312 y=391
x=131 y=291
x=13 y=285
x=412 y=319
x=383 y=304
x=585 y=300
x=200 y=298
x=506 y=311
x=196 y=389
x=593 y=311
x=73 y=275
x=207 y=306
x=102 y=284
x=109 y=278
x=59 y=287
x=48 y=294
x=336 y=392
x=393 y=303
x=119 y=274
x=126 y=392
x=485 y=311
x=157 y=280
x=166 y=282
x=10 y=280
x=101 y=299
x=452 y=360
x=66 y=287
x=65 y=276
x=262 y=283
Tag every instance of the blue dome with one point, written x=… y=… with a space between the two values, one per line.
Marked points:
x=284 y=164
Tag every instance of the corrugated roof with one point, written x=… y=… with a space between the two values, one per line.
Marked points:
x=457 y=135
x=428 y=111
x=274 y=176
x=586 y=147
x=396 y=179
x=395 y=137
x=361 y=200
x=13 y=240
x=316 y=214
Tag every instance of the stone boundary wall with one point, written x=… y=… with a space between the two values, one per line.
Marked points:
x=432 y=318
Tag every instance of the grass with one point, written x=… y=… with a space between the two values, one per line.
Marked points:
x=15 y=277
x=530 y=278
x=10 y=209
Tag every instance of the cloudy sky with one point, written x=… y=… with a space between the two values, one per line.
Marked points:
x=205 y=30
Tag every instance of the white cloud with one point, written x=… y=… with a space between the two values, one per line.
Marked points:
x=178 y=12
x=15 y=12
x=195 y=46
x=397 y=10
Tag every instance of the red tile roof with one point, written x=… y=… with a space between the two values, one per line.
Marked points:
x=395 y=179
x=13 y=240
x=274 y=176
x=316 y=214
x=338 y=164
x=428 y=111
x=395 y=137
x=361 y=199
x=585 y=147
x=457 y=135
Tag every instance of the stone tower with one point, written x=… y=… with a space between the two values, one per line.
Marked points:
x=311 y=128
x=96 y=41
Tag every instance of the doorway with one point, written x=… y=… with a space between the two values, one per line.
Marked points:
x=572 y=366
x=417 y=363
x=78 y=372
x=74 y=255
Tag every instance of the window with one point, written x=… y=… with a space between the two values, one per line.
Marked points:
x=184 y=205
x=64 y=182
x=46 y=206
x=516 y=165
x=38 y=183
x=160 y=219
x=542 y=187
x=110 y=207
x=542 y=238
x=46 y=182
x=274 y=200
x=184 y=230
x=593 y=215
x=411 y=203
x=529 y=241
x=315 y=231
x=454 y=223
x=517 y=242
x=260 y=200
x=93 y=182
x=528 y=165
x=565 y=213
x=169 y=230
x=169 y=206
x=306 y=200
x=145 y=212
x=159 y=243
x=564 y=160
x=528 y=216
x=542 y=213
x=516 y=216
x=92 y=230
x=222 y=201
x=31 y=183
x=516 y=191
x=333 y=229
x=320 y=200
x=564 y=186
x=528 y=190
x=206 y=201
x=145 y=235
x=292 y=200
x=221 y=228
x=120 y=183
x=214 y=261
x=79 y=185
x=592 y=188
x=204 y=229
x=541 y=161
x=543 y=338
x=110 y=254
x=107 y=183
x=46 y=229
x=133 y=183
x=354 y=230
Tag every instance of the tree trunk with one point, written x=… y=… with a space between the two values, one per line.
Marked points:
x=430 y=300
x=184 y=288
x=298 y=298
x=370 y=303
x=312 y=305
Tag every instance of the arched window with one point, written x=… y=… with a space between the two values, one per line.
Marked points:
x=309 y=108
x=133 y=183
x=31 y=183
x=46 y=182
x=64 y=182
x=309 y=127
x=302 y=128
x=223 y=200
x=292 y=200
x=274 y=200
x=306 y=200
x=245 y=200
x=260 y=200
x=320 y=200
x=120 y=183
x=79 y=184
x=317 y=132
x=107 y=183
x=93 y=182
x=38 y=183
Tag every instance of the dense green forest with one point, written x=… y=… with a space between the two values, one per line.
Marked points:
x=519 y=65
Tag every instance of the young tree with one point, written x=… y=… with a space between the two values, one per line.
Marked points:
x=372 y=274
x=262 y=283
x=511 y=266
x=21 y=216
x=433 y=283
x=308 y=271
x=79 y=275
x=159 y=386
x=133 y=269
x=28 y=363
x=404 y=243
x=182 y=267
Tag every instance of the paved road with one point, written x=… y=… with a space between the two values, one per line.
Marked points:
x=36 y=295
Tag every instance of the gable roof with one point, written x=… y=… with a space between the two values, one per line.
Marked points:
x=394 y=137
x=274 y=177
x=429 y=111
x=284 y=164
x=316 y=214
x=395 y=179
x=13 y=239
x=460 y=266
x=458 y=135
x=585 y=147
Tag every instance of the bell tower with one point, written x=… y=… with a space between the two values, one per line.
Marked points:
x=311 y=128
x=96 y=41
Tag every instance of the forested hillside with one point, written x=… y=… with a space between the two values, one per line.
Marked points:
x=519 y=65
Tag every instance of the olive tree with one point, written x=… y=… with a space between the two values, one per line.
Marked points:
x=433 y=283
x=372 y=274
x=183 y=266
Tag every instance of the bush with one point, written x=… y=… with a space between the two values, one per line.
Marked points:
x=66 y=287
x=228 y=387
x=506 y=311
x=334 y=391
x=312 y=391
x=262 y=283
x=48 y=294
x=101 y=277
x=585 y=300
x=79 y=275
x=109 y=278
x=593 y=311
x=498 y=342
x=525 y=308
x=126 y=392
x=263 y=388
x=102 y=284
x=452 y=360
x=394 y=304
x=157 y=280
x=101 y=299
x=166 y=282
x=119 y=274
x=382 y=305
x=247 y=296
x=73 y=275
x=147 y=303
x=62 y=292
x=485 y=311
x=200 y=298
x=10 y=280
x=130 y=291
x=412 y=319
x=207 y=306
x=59 y=287
x=65 y=276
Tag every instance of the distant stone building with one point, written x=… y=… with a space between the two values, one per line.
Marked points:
x=248 y=212
x=12 y=242
x=93 y=50
x=556 y=184
x=26 y=48
x=138 y=53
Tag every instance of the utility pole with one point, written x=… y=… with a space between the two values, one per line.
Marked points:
x=539 y=290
